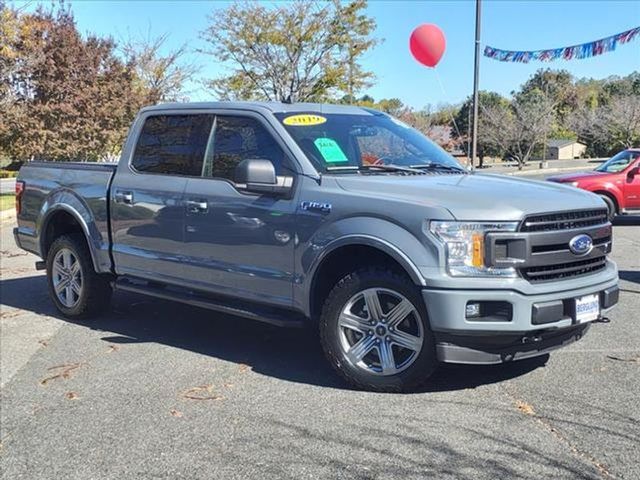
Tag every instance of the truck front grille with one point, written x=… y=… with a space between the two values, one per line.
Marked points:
x=563 y=270
x=564 y=220
x=550 y=258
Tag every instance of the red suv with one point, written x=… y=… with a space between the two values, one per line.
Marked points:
x=617 y=181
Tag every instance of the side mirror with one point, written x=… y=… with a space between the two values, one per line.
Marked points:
x=259 y=176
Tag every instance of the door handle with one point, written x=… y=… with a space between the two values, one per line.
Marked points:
x=124 y=197
x=197 y=206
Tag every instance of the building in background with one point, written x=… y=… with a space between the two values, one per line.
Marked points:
x=562 y=149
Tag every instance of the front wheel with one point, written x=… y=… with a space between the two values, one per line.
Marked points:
x=74 y=286
x=375 y=333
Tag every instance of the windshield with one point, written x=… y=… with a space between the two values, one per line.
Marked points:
x=618 y=162
x=346 y=142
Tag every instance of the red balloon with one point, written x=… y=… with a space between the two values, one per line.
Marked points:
x=427 y=44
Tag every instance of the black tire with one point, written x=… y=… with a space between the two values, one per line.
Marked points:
x=611 y=206
x=95 y=293
x=424 y=361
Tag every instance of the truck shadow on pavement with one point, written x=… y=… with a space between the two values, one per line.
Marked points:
x=630 y=276
x=626 y=221
x=289 y=354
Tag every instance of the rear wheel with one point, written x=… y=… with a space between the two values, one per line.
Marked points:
x=375 y=333
x=75 y=288
x=611 y=206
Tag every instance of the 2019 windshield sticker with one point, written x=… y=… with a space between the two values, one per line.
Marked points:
x=330 y=150
x=304 y=120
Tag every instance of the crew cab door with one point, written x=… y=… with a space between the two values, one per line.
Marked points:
x=147 y=210
x=240 y=243
x=632 y=186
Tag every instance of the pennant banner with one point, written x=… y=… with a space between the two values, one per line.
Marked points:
x=574 y=52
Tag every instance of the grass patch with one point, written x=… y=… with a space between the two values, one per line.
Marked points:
x=7 y=201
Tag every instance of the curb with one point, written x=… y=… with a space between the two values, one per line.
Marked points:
x=544 y=171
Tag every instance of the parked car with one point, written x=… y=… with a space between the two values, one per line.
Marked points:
x=617 y=181
x=267 y=211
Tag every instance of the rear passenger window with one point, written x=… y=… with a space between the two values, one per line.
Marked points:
x=237 y=139
x=173 y=144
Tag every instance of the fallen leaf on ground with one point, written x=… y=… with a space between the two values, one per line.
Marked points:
x=632 y=360
x=71 y=396
x=243 y=367
x=175 y=413
x=201 y=392
x=227 y=385
x=44 y=343
x=112 y=348
x=64 y=372
x=525 y=408
x=9 y=254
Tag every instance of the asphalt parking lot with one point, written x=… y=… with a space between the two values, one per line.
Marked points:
x=160 y=390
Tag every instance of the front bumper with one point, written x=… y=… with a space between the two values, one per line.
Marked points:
x=506 y=348
x=533 y=325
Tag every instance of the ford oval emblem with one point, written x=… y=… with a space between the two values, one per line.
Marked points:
x=581 y=244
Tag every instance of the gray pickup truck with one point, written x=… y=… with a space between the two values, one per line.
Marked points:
x=339 y=217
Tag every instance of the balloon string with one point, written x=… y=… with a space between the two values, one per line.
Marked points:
x=455 y=125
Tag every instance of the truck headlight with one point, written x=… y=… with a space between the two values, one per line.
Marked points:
x=465 y=247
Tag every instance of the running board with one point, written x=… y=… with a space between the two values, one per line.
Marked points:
x=273 y=316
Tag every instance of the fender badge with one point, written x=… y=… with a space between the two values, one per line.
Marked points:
x=316 y=206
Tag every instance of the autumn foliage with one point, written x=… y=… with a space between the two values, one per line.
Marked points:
x=63 y=96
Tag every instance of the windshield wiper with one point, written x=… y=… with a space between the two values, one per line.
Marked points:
x=439 y=166
x=383 y=167
x=390 y=167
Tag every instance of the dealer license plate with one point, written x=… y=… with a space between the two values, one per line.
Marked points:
x=587 y=308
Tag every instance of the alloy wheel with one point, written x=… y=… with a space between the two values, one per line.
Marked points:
x=67 y=277
x=380 y=331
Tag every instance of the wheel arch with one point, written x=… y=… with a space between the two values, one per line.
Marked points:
x=348 y=253
x=611 y=195
x=62 y=219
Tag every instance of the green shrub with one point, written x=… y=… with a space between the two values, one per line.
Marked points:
x=8 y=174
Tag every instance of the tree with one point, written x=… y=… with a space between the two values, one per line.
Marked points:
x=521 y=126
x=555 y=84
x=159 y=77
x=621 y=120
x=298 y=51
x=352 y=34
x=463 y=118
x=70 y=97
x=610 y=127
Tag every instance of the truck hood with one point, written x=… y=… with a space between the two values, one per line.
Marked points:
x=474 y=196
x=575 y=177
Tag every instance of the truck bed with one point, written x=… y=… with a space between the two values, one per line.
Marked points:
x=79 y=188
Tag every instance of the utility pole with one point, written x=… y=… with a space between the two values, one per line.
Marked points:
x=476 y=70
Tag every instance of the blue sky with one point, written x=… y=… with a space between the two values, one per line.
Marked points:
x=506 y=24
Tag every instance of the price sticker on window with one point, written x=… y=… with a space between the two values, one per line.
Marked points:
x=330 y=150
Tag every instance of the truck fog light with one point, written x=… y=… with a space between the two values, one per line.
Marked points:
x=472 y=310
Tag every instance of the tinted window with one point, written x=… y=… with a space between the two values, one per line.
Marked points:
x=237 y=139
x=173 y=144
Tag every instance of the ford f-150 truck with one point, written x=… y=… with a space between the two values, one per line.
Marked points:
x=339 y=217
x=617 y=181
